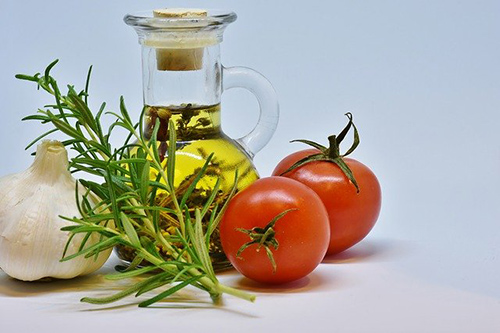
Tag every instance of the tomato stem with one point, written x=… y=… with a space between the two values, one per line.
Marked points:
x=332 y=153
x=264 y=237
x=333 y=150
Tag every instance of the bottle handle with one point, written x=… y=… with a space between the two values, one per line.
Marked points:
x=257 y=84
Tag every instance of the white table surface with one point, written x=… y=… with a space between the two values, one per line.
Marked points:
x=382 y=285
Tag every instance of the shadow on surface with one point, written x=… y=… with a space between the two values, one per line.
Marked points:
x=185 y=300
x=311 y=282
x=368 y=251
x=15 y=288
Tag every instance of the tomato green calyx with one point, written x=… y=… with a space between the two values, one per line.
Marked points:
x=332 y=153
x=264 y=237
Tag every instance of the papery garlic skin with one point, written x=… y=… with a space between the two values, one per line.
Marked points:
x=31 y=240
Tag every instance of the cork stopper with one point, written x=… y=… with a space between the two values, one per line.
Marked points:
x=180 y=12
x=179 y=56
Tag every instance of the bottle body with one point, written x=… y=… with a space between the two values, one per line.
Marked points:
x=182 y=85
x=199 y=136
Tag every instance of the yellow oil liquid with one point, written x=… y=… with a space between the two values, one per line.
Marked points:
x=198 y=135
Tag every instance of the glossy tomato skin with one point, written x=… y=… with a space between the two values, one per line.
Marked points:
x=303 y=234
x=352 y=215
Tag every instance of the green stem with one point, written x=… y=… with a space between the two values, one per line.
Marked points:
x=215 y=288
x=333 y=149
x=236 y=293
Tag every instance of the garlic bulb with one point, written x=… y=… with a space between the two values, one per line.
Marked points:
x=31 y=242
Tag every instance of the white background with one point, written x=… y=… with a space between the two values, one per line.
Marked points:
x=422 y=79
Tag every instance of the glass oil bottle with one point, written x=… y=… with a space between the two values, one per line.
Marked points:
x=183 y=80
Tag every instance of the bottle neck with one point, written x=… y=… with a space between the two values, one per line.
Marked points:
x=176 y=78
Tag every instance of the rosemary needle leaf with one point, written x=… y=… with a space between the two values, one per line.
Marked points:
x=212 y=197
x=132 y=266
x=150 y=247
x=169 y=292
x=153 y=285
x=26 y=77
x=88 y=229
x=129 y=230
x=43 y=118
x=156 y=281
x=210 y=227
x=112 y=198
x=171 y=154
x=124 y=112
x=49 y=68
x=198 y=177
x=218 y=218
x=87 y=84
x=153 y=143
x=105 y=244
x=39 y=138
x=199 y=243
x=144 y=185
x=122 y=294
x=85 y=240
x=68 y=243
x=133 y=273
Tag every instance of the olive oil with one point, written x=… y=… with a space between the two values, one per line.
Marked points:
x=199 y=134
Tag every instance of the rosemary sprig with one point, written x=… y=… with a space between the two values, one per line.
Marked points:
x=121 y=209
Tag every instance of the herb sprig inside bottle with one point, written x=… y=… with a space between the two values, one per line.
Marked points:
x=127 y=214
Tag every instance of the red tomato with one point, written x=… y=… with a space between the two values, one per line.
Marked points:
x=352 y=215
x=302 y=233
